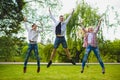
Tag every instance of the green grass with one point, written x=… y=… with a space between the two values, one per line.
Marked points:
x=93 y=72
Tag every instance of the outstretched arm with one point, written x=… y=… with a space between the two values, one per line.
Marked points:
x=81 y=24
x=98 y=26
x=41 y=27
x=85 y=31
x=52 y=17
x=67 y=20
x=25 y=20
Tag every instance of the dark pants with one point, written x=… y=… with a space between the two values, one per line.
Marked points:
x=30 y=48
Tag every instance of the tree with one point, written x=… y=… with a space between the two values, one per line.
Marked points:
x=10 y=18
x=90 y=16
x=37 y=11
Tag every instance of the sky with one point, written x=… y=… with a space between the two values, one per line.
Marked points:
x=101 y=4
x=68 y=5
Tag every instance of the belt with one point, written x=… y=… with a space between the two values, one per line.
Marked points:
x=32 y=42
x=59 y=36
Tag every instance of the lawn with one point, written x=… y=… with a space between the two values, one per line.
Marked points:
x=93 y=72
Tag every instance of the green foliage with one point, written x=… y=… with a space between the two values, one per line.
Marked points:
x=32 y=55
x=47 y=52
x=10 y=18
x=85 y=12
x=40 y=13
x=111 y=50
x=90 y=17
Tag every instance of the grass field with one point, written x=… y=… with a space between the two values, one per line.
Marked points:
x=93 y=72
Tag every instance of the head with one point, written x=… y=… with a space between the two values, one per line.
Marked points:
x=34 y=26
x=61 y=18
x=90 y=29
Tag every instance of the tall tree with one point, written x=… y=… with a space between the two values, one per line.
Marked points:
x=37 y=11
x=90 y=17
x=10 y=18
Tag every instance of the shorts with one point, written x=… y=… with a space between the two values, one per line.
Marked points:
x=60 y=40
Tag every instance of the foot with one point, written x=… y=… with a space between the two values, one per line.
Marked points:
x=103 y=70
x=48 y=65
x=82 y=70
x=38 y=69
x=24 y=69
x=73 y=62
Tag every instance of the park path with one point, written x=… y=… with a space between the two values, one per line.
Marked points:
x=42 y=63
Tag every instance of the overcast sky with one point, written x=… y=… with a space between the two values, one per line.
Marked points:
x=68 y=5
x=101 y=4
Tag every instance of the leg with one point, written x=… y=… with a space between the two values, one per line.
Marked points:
x=97 y=54
x=56 y=44
x=68 y=54
x=51 y=57
x=64 y=44
x=53 y=54
x=37 y=57
x=88 y=50
x=27 y=56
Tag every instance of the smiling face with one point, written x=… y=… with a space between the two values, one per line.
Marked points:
x=34 y=26
x=90 y=29
x=61 y=18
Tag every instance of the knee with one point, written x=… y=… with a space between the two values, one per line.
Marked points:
x=38 y=58
x=66 y=49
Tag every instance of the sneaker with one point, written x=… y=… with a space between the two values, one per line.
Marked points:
x=24 y=69
x=38 y=69
x=48 y=65
x=103 y=70
x=82 y=70
x=73 y=62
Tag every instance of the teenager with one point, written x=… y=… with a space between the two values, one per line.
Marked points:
x=60 y=28
x=32 y=37
x=90 y=42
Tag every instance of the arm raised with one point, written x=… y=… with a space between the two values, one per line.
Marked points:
x=98 y=26
x=26 y=27
x=52 y=17
x=67 y=20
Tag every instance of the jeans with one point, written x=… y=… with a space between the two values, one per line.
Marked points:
x=59 y=40
x=89 y=48
x=30 y=48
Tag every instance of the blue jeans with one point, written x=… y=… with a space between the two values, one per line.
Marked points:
x=96 y=52
x=59 y=40
x=30 y=48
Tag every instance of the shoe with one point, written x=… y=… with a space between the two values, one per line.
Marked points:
x=82 y=70
x=103 y=70
x=48 y=65
x=73 y=62
x=24 y=69
x=38 y=69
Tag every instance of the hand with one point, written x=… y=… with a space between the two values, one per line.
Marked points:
x=49 y=9
x=99 y=23
x=73 y=11
x=25 y=19
x=101 y=19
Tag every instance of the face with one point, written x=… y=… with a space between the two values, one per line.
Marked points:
x=61 y=18
x=34 y=27
x=90 y=30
